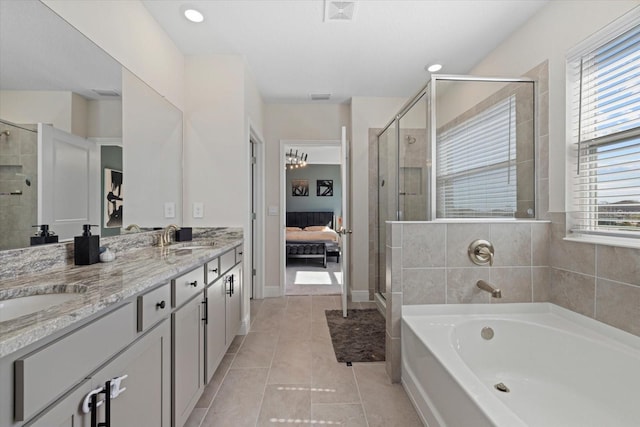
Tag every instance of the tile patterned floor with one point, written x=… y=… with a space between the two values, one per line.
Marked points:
x=284 y=373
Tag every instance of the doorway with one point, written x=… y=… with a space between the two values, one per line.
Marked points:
x=311 y=203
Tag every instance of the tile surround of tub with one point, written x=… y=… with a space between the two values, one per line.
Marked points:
x=595 y=280
x=428 y=263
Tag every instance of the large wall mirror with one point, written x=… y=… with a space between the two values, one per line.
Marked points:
x=82 y=139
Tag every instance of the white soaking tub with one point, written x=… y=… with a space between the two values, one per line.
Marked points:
x=562 y=369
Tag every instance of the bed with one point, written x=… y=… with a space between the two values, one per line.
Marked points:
x=310 y=235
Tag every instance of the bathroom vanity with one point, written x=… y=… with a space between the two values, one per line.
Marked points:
x=134 y=346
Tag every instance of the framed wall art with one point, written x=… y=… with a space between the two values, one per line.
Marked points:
x=324 y=188
x=113 y=201
x=300 y=187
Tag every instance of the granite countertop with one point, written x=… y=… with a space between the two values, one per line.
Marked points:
x=102 y=285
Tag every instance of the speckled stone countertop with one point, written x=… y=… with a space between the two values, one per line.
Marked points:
x=101 y=285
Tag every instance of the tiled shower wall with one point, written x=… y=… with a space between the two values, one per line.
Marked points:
x=18 y=163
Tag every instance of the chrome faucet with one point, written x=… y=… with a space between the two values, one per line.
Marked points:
x=165 y=237
x=496 y=293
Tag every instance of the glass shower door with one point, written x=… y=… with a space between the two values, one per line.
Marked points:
x=387 y=197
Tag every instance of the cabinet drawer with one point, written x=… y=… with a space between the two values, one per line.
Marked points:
x=153 y=306
x=213 y=270
x=43 y=375
x=186 y=286
x=227 y=261
x=239 y=253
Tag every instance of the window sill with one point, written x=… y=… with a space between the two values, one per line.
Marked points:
x=604 y=240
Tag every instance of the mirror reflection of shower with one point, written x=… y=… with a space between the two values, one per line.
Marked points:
x=18 y=182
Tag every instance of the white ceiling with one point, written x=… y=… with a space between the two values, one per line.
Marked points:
x=292 y=52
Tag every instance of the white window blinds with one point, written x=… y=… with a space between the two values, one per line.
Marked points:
x=605 y=113
x=476 y=165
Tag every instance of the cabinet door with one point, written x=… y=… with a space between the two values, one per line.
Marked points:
x=144 y=394
x=234 y=298
x=188 y=358
x=215 y=327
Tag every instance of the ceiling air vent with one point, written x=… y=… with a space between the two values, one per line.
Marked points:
x=106 y=92
x=320 y=96
x=339 y=11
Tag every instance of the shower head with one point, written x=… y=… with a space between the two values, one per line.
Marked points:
x=5 y=133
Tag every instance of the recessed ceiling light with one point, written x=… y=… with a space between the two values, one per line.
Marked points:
x=193 y=15
x=433 y=68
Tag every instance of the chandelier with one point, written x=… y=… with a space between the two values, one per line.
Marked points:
x=295 y=160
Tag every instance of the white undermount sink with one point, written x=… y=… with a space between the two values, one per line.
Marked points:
x=16 y=307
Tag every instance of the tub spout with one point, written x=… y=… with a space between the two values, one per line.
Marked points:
x=496 y=293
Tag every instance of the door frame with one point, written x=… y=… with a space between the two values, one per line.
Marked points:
x=256 y=251
x=284 y=143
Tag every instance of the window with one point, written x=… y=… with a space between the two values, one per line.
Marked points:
x=476 y=165
x=605 y=116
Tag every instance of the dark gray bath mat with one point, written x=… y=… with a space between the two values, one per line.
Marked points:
x=359 y=337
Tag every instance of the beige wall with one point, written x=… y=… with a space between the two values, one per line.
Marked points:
x=558 y=27
x=291 y=122
x=128 y=32
x=215 y=152
x=25 y=107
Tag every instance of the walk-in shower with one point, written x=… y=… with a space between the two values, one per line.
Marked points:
x=18 y=182
x=462 y=147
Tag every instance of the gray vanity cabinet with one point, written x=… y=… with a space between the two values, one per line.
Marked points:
x=187 y=331
x=233 y=286
x=142 y=397
x=215 y=324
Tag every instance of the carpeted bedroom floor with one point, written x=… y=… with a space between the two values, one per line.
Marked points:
x=309 y=277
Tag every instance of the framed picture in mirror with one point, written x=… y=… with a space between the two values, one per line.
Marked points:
x=113 y=200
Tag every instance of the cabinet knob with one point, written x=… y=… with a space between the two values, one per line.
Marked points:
x=214 y=270
x=240 y=253
x=194 y=283
x=161 y=304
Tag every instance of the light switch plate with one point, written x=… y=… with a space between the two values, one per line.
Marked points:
x=169 y=210
x=198 y=210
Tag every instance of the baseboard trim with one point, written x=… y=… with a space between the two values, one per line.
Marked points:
x=271 y=292
x=359 y=296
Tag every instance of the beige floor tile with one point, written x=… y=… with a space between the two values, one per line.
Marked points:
x=320 y=329
x=238 y=402
x=268 y=321
x=291 y=403
x=289 y=354
x=334 y=380
x=256 y=351
x=291 y=362
x=216 y=381
x=349 y=415
x=385 y=404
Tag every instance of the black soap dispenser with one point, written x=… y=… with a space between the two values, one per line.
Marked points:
x=43 y=236
x=86 y=249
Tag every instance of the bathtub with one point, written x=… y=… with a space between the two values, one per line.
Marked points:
x=560 y=368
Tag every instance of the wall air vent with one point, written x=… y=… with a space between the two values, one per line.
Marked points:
x=320 y=96
x=339 y=11
x=106 y=92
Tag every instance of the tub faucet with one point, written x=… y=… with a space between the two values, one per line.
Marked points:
x=496 y=293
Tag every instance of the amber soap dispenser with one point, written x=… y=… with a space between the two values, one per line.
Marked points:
x=86 y=248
